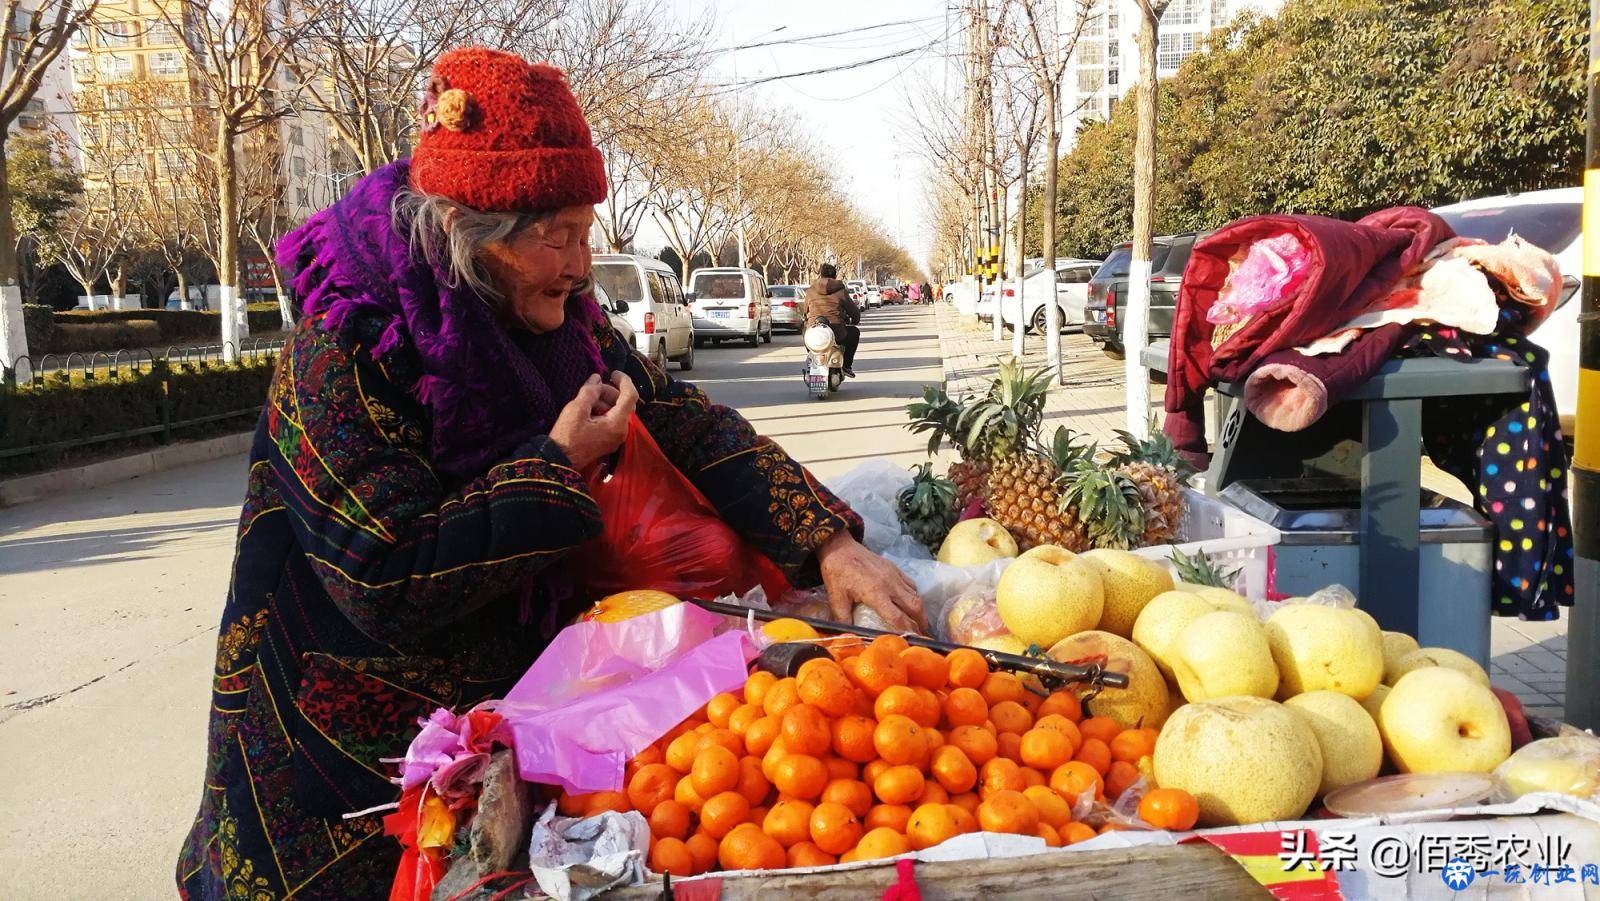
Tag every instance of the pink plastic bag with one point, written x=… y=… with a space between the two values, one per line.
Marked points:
x=1272 y=270
x=602 y=692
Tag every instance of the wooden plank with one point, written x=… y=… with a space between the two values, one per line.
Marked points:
x=1149 y=873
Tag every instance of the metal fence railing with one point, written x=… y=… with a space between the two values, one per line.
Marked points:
x=109 y=364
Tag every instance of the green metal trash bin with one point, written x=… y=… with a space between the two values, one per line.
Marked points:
x=1319 y=519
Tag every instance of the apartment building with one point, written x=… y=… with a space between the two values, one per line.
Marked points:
x=50 y=111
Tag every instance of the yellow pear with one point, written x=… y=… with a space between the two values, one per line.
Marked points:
x=1130 y=582
x=975 y=542
x=1439 y=719
x=1424 y=657
x=1048 y=594
x=1162 y=619
x=1145 y=702
x=1222 y=654
x=1245 y=760
x=1396 y=647
x=1221 y=598
x=1318 y=647
x=1373 y=703
x=1352 y=749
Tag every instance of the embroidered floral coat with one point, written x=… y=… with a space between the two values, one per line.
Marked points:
x=365 y=594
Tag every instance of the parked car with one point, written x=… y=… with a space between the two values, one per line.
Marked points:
x=872 y=298
x=1071 y=290
x=789 y=307
x=662 y=327
x=1109 y=287
x=892 y=295
x=616 y=312
x=730 y=303
x=858 y=289
x=1553 y=220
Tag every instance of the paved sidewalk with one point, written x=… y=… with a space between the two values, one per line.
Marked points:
x=1528 y=658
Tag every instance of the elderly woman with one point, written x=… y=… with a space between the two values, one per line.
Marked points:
x=418 y=478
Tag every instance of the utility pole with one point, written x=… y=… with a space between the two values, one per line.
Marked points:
x=1136 y=321
x=1583 y=639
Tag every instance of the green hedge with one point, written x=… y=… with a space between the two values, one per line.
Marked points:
x=85 y=412
x=92 y=330
x=39 y=324
x=107 y=336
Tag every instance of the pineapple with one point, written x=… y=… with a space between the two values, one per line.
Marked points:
x=1197 y=569
x=1156 y=469
x=927 y=507
x=1106 y=502
x=1025 y=498
x=1002 y=423
x=938 y=414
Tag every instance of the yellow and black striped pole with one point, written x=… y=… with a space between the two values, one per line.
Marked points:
x=1583 y=638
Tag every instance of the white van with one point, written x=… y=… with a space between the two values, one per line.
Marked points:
x=730 y=303
x=662 y=327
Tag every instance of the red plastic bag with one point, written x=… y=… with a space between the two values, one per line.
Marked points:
x=661 y=533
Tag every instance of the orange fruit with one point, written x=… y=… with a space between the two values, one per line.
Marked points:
x=968 y=669
x=963 y=817
x=805 y=731
x=758 y=815
x=839 y=768
x=893 y=644
x=852 y=793
x=685 y=726
x=953 y=769
x=834 y=828
x=755 y=687
x=753 y=784
x=1075 y=778
x=685 y=794
x=892 y=816
x=899 y=740
x=1031 y=699
x=863 y=706
x=925 y=667
x=651 y=754
x=789 y=821
x=965 y=707
x=1009 y=716
x=1009 y=745
x=975 y=742
x=680 y=753
x=722 y=812
x=1058 y=723
x=852 y=738
x=899 y=784
x=827 y=688
x=800 y=776
x=999 y=775
x=720 y=707
x=671 y=855
x=1132 y=744
x=571 y=805
x=1120 y=777
x=933 y=793
x=1061 y=703
x=769 y=760
x=1072 y=833
x=1053 y=809
x=873 y=770
x=844 y=647
x=881 y=842
x=815 y=663
x=878 y=669
x=967 y=801
x=703 y=725
x=740 y=719
x=901 y=699
x=930 y=709
x=780 y=697
x=724 y=738
x=716 y=769
x=670 y=819
x=1008 y=811
x=807 y=854
x=1031 y=776
x=1095 y=753
x=1102 y=727
x=704 y=850
x=936 y=739
x=651 y=785
x=998 y=687
x=1169 y=808
x=1044 y=831
x=606 y=800
x=748 y=848
x=758 y=737
x=1045 y=749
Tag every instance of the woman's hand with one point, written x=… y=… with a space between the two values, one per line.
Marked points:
x=594 y=423
x=854 y=575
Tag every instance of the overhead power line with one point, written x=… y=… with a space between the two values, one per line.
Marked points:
x=829 y=34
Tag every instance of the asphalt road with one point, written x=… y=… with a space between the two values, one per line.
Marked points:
x=110 y=598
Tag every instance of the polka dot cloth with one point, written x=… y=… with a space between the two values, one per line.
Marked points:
x=1512 y=450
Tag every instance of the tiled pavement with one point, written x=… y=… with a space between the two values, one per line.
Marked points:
x=1528 y=658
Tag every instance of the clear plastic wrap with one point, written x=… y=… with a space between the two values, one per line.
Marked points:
x=1568 y=764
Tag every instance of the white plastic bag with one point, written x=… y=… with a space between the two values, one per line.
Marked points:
x=577 y=859
x=871 y=490
x=1568 y=764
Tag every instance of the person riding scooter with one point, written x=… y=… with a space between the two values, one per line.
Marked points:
x=828 y=298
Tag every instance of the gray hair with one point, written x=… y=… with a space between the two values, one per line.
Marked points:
x=451 y=236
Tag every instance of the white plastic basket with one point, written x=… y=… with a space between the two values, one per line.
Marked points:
x=1232 y=538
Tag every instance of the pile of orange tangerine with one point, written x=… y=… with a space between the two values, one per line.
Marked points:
x=877 y=750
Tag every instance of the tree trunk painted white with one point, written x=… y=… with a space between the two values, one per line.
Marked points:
x=13 y=336
x=1052 y=158
x=235 y=328
x=1135 y=335
x=1135 y=324
x=286 y=314
x=1000 y=282
x=1019 y=329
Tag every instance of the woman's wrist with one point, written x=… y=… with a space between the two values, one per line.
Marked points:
x=837 y=541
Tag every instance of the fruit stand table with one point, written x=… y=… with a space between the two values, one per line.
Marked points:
x=1390 y=416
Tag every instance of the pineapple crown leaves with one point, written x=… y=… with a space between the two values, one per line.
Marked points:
x=928 y=494
x=1008 y=417
x=1199 y=569
x=1108 y=503
x=1064 y=450
x=1157 y=450
x=938 y=414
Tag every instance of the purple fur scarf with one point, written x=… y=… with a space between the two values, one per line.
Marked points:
x=489 y=389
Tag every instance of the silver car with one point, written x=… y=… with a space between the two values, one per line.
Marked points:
x=789 y=306
x=730 y=303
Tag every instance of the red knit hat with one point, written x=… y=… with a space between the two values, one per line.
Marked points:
x=502 y=135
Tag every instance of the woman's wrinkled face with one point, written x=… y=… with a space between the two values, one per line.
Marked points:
x=536 y=267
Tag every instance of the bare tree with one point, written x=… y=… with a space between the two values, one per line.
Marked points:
x=1024 y=120
x=35 y=34
x=88 y=240
x=1135 y=323
x=237 y=51
x=695 y=186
